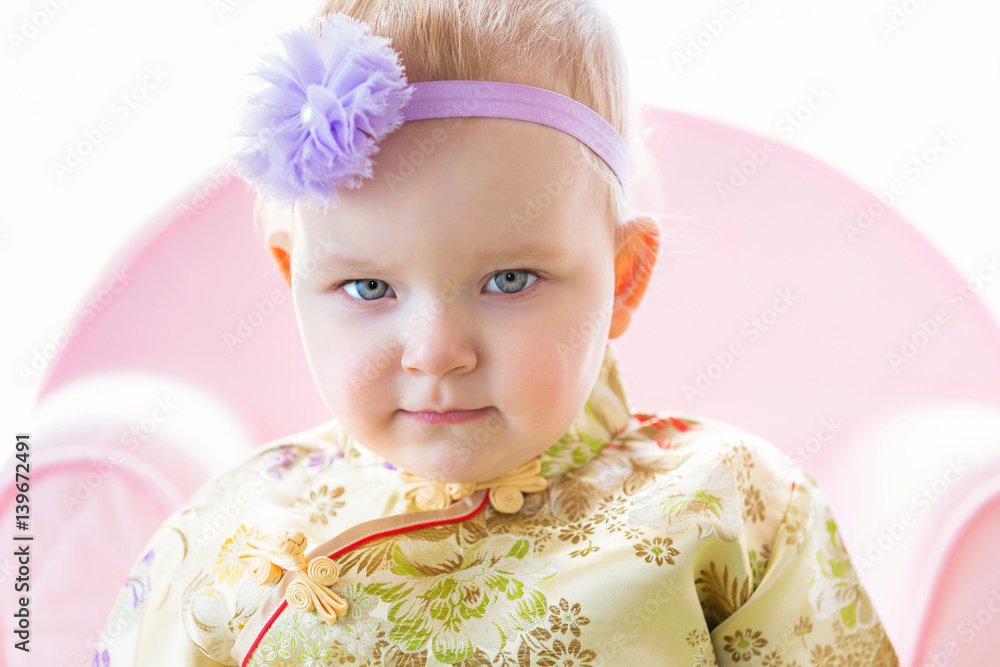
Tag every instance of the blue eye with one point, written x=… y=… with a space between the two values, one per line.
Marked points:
x=512 y=281
x=369 y=289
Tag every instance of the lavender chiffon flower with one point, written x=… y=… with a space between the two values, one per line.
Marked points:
x=317 y=124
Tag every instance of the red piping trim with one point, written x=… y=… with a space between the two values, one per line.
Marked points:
x=352 y=545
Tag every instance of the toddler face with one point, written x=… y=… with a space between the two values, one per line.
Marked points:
x=474 y=272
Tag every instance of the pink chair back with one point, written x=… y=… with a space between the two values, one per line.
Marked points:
x=776 y=306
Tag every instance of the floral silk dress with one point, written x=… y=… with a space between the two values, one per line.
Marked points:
x=661 y=539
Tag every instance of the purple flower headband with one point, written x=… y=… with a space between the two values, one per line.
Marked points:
x=341 y=90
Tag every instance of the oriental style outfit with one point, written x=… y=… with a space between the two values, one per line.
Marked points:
x=659 y=539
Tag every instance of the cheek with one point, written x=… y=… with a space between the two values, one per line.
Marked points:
x=348 y=371
x=545 y=378
x=553 y=374
x=575 y=332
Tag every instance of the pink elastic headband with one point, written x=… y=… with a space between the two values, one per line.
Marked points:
x=340 y=90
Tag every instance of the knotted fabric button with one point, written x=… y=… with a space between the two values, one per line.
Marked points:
x=269 y=558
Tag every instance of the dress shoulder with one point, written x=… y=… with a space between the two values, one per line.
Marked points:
x=740 y=479
x=797 y=596
x=184 y=599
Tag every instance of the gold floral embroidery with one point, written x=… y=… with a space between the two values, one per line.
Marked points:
x=567 y=655
x=744 y=644
x=576 y=532
x=696 y=637
x=772 y=659
x=644 y=471
x=758 y=563
x=722 y=597
x=572 y=497
x=753 y=505
x=322 y=503
x=367 y=558
x=658 y=549
x=228 y=564
x=563 y=645
x=396 y=657
x=564 y=618
x=583 y=552
x=821 y=655
x=610 y=514
x=794 y=520
x=741 y=461
x=631 y=532
x=869 y=647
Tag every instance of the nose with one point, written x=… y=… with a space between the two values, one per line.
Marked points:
x=438 y=341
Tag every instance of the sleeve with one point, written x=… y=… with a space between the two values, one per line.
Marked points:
x=145 y=627
x=808 y=605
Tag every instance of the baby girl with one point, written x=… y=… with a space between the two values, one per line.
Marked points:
x=486 y=494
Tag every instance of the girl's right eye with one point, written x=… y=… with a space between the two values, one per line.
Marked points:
x=369 y=289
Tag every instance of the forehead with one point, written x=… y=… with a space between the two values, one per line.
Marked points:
x=451 y=181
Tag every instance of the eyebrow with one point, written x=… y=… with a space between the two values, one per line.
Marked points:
x=529 y=253
x=338 y=263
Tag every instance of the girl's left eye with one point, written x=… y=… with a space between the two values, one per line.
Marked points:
x=370 y=289
x=513 y=281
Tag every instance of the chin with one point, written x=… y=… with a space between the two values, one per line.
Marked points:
x=448 y=467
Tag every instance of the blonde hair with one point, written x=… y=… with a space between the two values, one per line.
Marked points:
x=568 y=46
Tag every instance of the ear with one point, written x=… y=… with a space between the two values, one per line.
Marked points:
x=638 y=244
x=274 y=225
x=280 y=243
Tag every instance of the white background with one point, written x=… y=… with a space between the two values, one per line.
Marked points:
x=60 y=75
